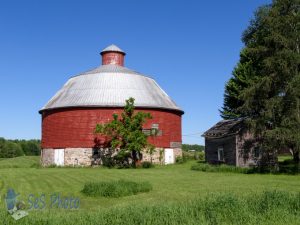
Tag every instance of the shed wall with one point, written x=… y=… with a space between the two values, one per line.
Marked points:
x=245 y=158
x=229 y=148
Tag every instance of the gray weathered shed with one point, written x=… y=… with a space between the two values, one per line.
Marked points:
x=224 y=143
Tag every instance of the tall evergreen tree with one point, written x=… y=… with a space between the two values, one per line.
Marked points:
x=246 y=71
x=271 y=97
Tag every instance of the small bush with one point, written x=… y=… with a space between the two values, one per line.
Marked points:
x=147 y=165
x=115 y=189
x=288 y=166
x=180 y=160
x=199 y=156
x=108 y=162
x=188 y=156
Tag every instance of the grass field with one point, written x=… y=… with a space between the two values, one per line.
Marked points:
x=173 y=186
x=19 y=162
x=281 y=158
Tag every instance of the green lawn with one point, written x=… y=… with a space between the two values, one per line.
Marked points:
x=174 y=184
x=19 y=162
x=281 y=158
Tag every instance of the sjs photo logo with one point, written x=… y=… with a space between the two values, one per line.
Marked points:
x=15 y=207
x=19 y=209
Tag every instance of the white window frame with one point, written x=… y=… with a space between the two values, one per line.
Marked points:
x=221 y=149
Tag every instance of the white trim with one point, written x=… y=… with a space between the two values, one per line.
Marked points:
x=219 y=155
x=59 y=157
x=169 y=156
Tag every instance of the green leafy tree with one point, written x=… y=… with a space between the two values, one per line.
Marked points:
x=2 y=141
x=269 y=95
x=28 y=147
x=126 y=133
x=10 y=150
x=31 y=147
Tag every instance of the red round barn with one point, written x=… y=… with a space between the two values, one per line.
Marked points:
x=70 y=117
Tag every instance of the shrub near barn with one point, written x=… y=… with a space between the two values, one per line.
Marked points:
x=126 y=134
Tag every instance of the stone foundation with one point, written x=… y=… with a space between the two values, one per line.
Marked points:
x=177 y=153
x=158 y=157
x=78 y=156
x=84 y=156
x=47 y=157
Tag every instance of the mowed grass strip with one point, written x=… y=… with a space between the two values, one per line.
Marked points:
x=20 y=162
x=115 y=189
x=172 y=183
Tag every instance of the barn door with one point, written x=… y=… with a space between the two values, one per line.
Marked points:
x=169 y=156
x=59 y=157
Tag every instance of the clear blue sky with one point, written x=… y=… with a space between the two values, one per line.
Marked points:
x=188 y=47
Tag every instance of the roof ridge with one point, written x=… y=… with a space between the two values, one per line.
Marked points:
x=112 y=48
x=111 y=68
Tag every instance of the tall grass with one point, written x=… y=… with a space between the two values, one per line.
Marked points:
x=285 y=167
x=204 y=167
x=115 y=189
x=270 y=207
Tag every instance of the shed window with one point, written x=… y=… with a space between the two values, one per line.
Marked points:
x=220 y=154
x=256 y=152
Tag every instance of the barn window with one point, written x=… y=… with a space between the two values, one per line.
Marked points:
x=155 y=131
x=147 y=132
x=152 y=132
x=220 y=154
x=155 y=126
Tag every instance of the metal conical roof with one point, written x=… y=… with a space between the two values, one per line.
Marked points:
x=109 y=86
x=112 y=48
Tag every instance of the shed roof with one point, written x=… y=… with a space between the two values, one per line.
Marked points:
x=224 y=128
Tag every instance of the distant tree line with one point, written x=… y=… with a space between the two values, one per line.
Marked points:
x=187 y=147
x=14 y=148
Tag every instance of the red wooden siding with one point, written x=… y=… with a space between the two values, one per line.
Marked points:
x=73 y=127
x=113 y=58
